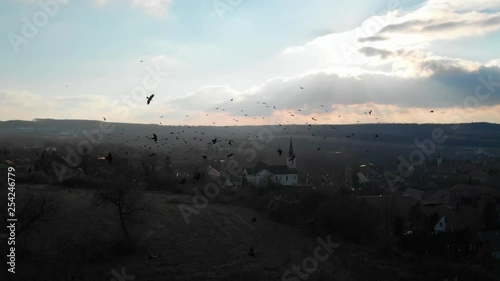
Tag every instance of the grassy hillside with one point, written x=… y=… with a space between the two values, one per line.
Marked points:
x=83 y=242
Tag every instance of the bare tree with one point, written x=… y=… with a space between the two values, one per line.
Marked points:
x=32 y=208
x=123 y=195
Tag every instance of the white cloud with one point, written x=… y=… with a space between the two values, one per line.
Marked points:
x=156 y=8
x=101 y=2
x=399 y=40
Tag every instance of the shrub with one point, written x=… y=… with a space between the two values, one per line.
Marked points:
x=82 y=180
x=242 y=276
x=34 y=178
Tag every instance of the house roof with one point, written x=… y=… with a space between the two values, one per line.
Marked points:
x=274 y=169
x=491 y=238
x=213 y=172
x=415 y=193
x=461 y=190
x=447 y=224
x=442 y=196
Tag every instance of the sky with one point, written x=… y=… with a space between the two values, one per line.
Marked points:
x=251 y=62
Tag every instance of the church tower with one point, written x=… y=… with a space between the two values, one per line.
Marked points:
x=290 y=160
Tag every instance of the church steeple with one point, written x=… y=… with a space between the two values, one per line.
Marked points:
x=290 y=161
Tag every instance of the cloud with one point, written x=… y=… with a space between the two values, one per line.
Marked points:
x=439 y=20
x=62 y=2
x=101 y=2
x=27 y=105
x=447 y=87
x=156 y=8
x=370 y=51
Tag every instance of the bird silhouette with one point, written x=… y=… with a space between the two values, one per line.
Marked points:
x=150 y=98
x=153 y=256
x=109 y=158
x=432 y=111
x=433 y=205
x=251 y=252
x=253 y=219
x=155 y=137
x=214 y=140
x=229 y=155
x=370 y=112
x=204 y=157
x=279 y=151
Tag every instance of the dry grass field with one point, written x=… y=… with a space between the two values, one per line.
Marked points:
x=83 y=242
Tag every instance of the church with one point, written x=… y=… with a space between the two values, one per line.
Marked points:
x=262 y=175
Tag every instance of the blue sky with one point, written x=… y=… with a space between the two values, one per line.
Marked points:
x=86 y=60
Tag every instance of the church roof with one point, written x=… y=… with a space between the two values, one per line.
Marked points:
x=274 y=169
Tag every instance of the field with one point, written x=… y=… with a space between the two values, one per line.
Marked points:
x=83 y=242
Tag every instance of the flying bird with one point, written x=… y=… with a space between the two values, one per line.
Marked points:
x=155 y=138
x=312 y=222
x=251 y=252
x=279 y=151
x=253 y=219
x=370 y=112
x=150 y=98
x=229 y=155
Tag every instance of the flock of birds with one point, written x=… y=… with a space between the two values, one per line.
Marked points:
x=178 y=137
x=196 y=141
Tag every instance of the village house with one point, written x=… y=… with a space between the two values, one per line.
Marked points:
x=442 y=225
